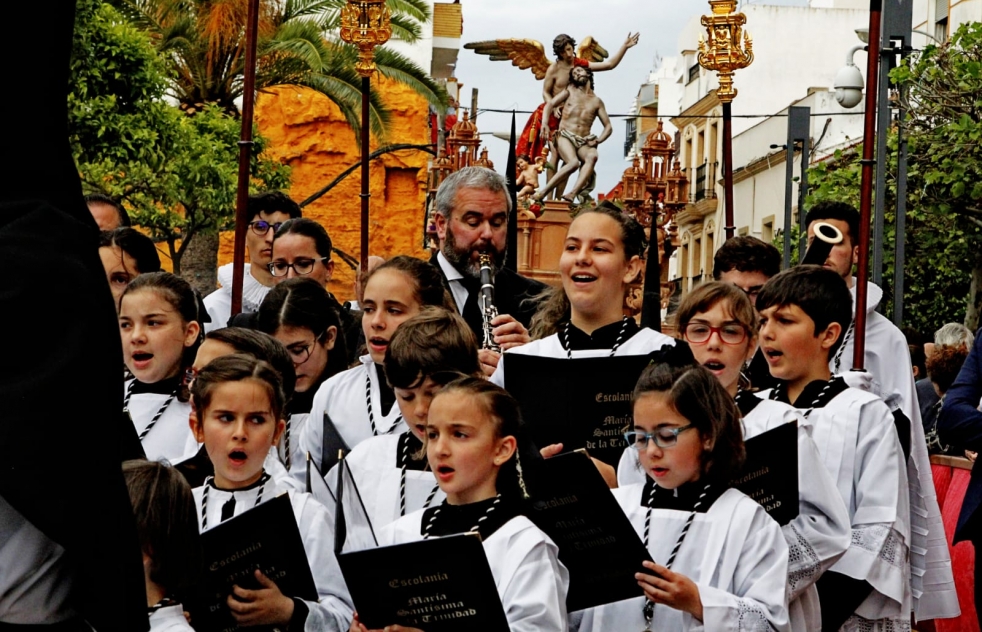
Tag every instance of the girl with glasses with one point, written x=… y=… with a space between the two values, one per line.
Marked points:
x=720 y=562
x=301 y=315
x=720 y=325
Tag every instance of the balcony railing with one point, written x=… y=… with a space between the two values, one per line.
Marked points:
x=705 y=182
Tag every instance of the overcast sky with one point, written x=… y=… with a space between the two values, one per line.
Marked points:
x=503 y=86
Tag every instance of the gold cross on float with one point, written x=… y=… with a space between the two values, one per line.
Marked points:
x=728 y=47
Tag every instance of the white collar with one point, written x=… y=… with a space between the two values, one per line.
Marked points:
x=253 y=292
x=452 y=273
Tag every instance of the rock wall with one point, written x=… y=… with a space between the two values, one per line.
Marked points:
x=309 y=133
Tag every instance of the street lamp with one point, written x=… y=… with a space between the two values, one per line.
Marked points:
x=366 y=24
x=727 y=49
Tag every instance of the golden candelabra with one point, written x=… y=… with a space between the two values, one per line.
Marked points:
x=728 y=47
x=366 y=24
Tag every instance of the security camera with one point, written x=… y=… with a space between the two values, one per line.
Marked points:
x=849 y=86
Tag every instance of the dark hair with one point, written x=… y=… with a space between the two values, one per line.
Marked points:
x=432 y=341
x=820 y=293
x=262 y=346
x=429 y=288
x=918 y=359
x=589 y=74
x=506 y=415
x=699 y=397
x=181 y=297
x=560 y=42
x=303 y=302
x=746 y=254
x=944 y=365
x=99 y=198
x=236 y=368
x=705 y=296
x=554 y=307
x=166 y=523
x=135 y=244
x=307 y=228
x=272 y=202
x=836 y=210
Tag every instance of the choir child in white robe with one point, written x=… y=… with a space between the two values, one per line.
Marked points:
x=887 y=360
x=223 y=342
x=300 y=314
x=720 y=562
x=158 y=323
x=391 y=471
x=720 y=325
x=239 y=404
x=165 y=520
x=585 y=318
x=803 y=313
x=473 y=434
x=359 y=402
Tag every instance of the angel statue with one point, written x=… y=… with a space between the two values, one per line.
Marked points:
x=530 y=54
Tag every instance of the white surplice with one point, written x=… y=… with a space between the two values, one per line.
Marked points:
x=170 y=619
x=373 y=465
x=857 y=439
x=524 y=561
x=734 y=552
x=342 y=397
x=887 y=359
x=170 y=438
x=219 y=303
x=334 y=611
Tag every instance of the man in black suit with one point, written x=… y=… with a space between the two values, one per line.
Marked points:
x=471 y=216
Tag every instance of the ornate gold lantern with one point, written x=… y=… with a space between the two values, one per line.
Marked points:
x=366 y=24
x=728 y=47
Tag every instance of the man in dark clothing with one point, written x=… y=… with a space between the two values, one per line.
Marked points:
x=471 y=216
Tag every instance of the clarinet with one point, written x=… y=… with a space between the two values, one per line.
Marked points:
x=486 y=302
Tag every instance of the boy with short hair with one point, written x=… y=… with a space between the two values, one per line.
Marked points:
x=803 y=313
x=887 y=359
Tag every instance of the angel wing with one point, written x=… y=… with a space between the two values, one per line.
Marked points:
x=591 y=51
x=524 y=53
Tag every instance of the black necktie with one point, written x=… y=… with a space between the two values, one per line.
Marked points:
x=228 y=509
x=472 y=312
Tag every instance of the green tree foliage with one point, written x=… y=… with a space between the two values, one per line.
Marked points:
x=942 y=88
x=176 y=174
x=298 y=45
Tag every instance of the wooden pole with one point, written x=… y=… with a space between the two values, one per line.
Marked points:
x=866 y=184
x=728 y=169
x=365 y=194
x=245 y=151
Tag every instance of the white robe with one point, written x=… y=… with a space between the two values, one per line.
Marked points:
x=734 y=552
x=524 y=561
x=373 y=465
x=888 y=360
x=170 y=619
x=219 y=302
x=857 y=439
x=335 y=610
x=817 y=538
x=171 y=438
x=643 y=342
x=342 y=397
x=297 y=455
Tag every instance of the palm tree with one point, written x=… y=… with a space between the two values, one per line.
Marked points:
x=297 y=45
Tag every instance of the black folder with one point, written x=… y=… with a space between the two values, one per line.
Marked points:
x=581 y=403
x=597 y=543
x=439 y=585
x=770 y=473
x=332 y=445
x=265 y=537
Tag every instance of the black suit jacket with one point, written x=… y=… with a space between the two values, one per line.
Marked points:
x=960 y=424
x=513 y=294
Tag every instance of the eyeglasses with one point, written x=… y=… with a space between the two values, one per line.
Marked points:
x=300 y=352
x=752 y=291
x=699 y=333
x=663 y=437
x=261 y=227
x=300 y=266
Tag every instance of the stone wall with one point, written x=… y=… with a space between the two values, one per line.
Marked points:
x=309 y=133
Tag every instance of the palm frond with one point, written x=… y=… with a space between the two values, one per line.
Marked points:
x=400 y=68
x=406 y=29
x=418 y=10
